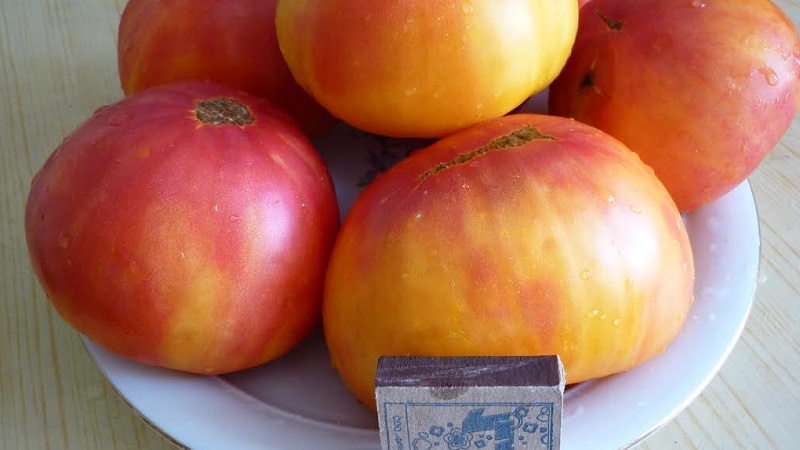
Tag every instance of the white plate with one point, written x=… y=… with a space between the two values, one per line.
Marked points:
x=298 y=402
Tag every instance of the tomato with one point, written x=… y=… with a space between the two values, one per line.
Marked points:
x=231 y=42
x=523 y=235
x=701 y=90
x=187 y=226
x=424 y=69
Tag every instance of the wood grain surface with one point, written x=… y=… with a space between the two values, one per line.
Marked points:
x=58 y=64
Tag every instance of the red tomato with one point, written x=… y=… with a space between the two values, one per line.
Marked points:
x=187 y=226
x=232 y=42
x=424 y=68
x=524 y=235
x=701 y=90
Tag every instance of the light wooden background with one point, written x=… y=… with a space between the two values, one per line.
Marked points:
x=58 y=63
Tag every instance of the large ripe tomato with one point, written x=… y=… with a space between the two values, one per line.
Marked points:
x=524 y=235
x=424 y=68
x=701 y=90
x=187 y=226
x=232 y=42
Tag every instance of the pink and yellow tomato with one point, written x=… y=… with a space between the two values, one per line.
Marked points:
x=187 y=226
x=231 y=42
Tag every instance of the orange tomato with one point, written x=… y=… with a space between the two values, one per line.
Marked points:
x=701 y=90
x=424 y=68
x=524 y=235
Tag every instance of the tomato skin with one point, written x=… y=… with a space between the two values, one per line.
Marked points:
x=179 y=243
x=230 y=42
x=702 y=91
x=568 y=246
x=424 y=69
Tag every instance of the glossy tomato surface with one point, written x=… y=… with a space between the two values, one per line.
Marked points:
x=525 y=235
x=424 y=68
x=231 y=42
x=701 y=90
x=187 y=226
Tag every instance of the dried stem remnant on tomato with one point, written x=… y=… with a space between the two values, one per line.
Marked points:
x=587 y=80
x=223 y=111
x=516 y=138
x=612 y=24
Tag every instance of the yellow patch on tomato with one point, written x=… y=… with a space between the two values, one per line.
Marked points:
x=143 y=153
x=188 y=285
x=188 y=337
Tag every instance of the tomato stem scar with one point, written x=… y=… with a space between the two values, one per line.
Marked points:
x=588 y=80
x=223 y=111
x=612 y=24
x=516 y=138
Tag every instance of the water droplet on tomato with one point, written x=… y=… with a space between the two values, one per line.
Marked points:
x=418 y=216
x=770 y=76
x=698 y=4
x=611 y=199
x=616 y=322
x=216 y=207
x=234 y=218
x=467 y=8
x=636 y=209
x=586 y=274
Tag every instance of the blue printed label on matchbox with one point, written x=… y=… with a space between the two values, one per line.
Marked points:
x=461 y=426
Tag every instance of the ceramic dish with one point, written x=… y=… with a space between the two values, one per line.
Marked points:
x=298 y=402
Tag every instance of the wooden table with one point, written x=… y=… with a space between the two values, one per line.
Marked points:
x=58 y=63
